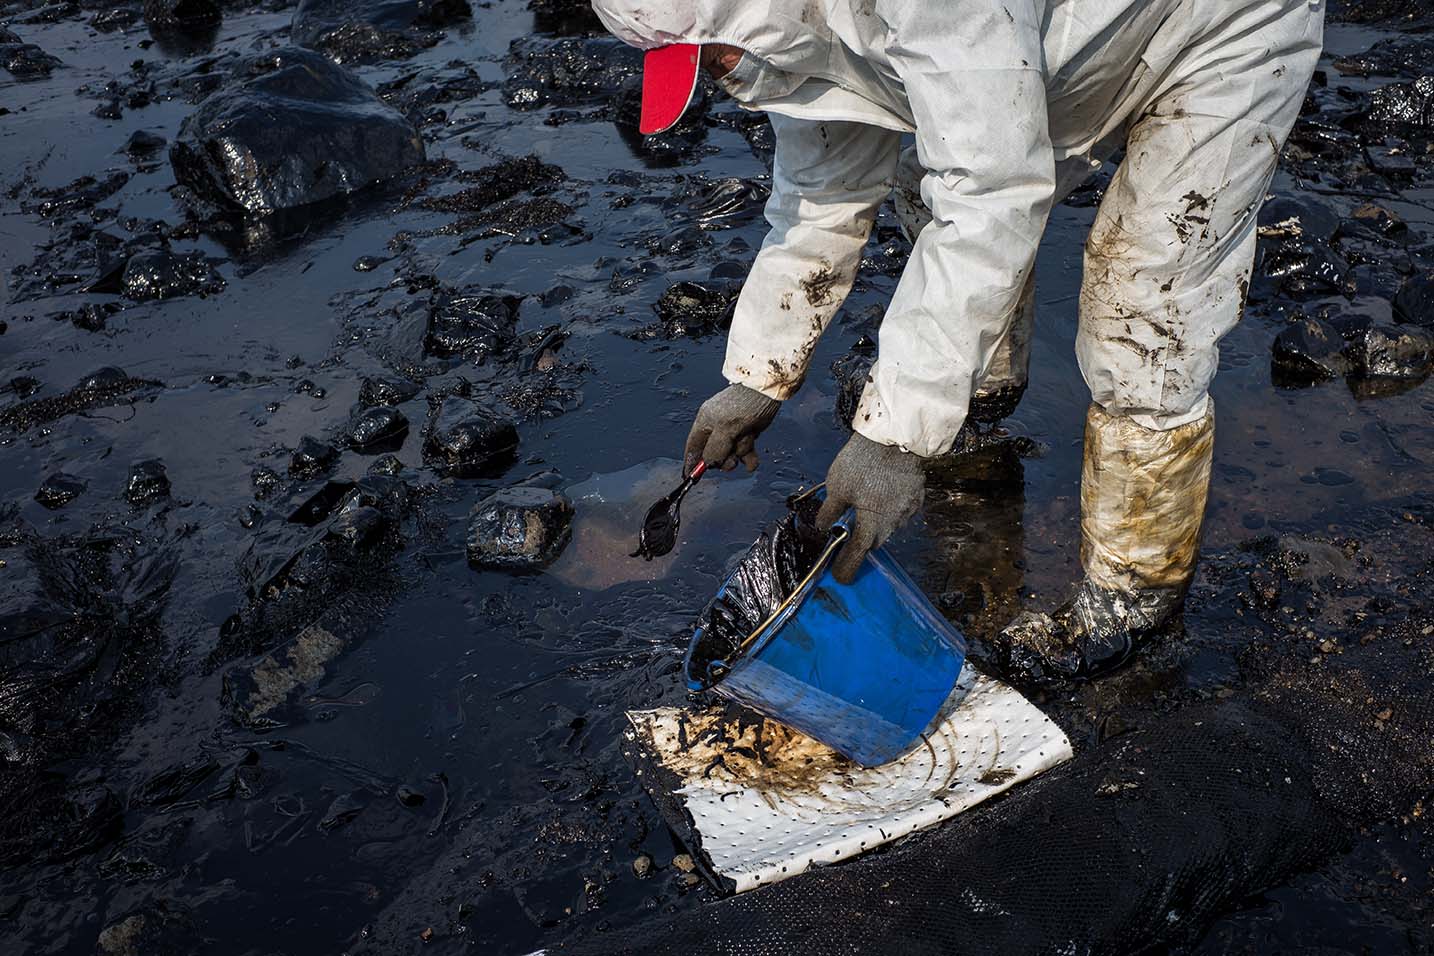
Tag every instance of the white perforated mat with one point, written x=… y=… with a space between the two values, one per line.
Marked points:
x=757 y=803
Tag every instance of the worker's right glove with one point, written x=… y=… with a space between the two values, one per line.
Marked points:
x=886 y=487
x=726 y=429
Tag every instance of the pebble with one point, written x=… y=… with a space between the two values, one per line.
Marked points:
x=386 y=465
x=312 y=457
x=147 y=482
x=265 y=480
x=386 y=391
x=59 y=490
x=379 y=428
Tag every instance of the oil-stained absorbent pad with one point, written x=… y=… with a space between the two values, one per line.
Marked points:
x=757 y=803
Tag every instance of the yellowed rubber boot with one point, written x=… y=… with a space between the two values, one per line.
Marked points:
x=1143 y=496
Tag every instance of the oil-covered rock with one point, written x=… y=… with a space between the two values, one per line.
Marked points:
x=289 y=129
x=1393 y=352
x=1310 y=349
x=356 y=32
x=147 y=482
x=474 y=325
x=1415 y=300
x=182 y=15
x=24 y=60
x=381 y=390
x=466 y=437
x=522 y=528
x=567 y=72
x=59 y=489
x=165 y=275
x=375 y=429
x=312 y=457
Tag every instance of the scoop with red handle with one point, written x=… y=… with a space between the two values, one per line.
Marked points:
x=659 y=529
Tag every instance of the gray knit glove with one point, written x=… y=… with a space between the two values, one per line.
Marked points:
x=726 y=429
x=886 y=487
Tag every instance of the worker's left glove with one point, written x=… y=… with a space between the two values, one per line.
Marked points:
x=886 y=487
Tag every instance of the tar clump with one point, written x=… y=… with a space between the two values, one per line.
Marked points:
x=473 y=325
x=350 y=32
x=181 y=15
x=312 y=457
x=377 y=429
x=466 y=438
x=772 y=569
x=24 y=60
x=147 y=482
x=567 y=72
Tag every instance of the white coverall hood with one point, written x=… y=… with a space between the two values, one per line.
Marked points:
x=789 y=44
x=773 y=29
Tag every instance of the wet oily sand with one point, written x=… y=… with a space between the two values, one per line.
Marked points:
x=257 y=696
x=747 y=750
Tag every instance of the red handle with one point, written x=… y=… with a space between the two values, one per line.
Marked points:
x=698 y=471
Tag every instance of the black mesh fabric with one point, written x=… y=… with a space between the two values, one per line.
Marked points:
x=1131 y=848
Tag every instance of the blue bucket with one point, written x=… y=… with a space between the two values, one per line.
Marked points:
x=864 y=668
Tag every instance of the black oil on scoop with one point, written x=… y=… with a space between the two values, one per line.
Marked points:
x=659 y=528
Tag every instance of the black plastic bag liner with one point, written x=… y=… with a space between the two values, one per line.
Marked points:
x=771 y=570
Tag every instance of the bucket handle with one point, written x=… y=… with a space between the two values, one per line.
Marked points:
x=841 y=529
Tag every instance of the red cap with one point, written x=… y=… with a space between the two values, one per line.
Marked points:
x=669 y=75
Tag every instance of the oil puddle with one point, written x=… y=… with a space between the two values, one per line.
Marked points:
x=609 y=509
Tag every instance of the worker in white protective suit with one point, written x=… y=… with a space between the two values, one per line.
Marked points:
x=1013 y=104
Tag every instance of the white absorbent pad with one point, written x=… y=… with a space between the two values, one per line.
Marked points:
x=757 y=803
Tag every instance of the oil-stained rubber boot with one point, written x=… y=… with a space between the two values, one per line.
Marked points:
x=1143 y=498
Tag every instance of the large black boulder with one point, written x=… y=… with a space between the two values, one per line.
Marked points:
x=354 y=31
x=291 y=128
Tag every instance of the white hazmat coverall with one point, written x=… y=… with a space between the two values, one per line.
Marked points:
x=1013 y=104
